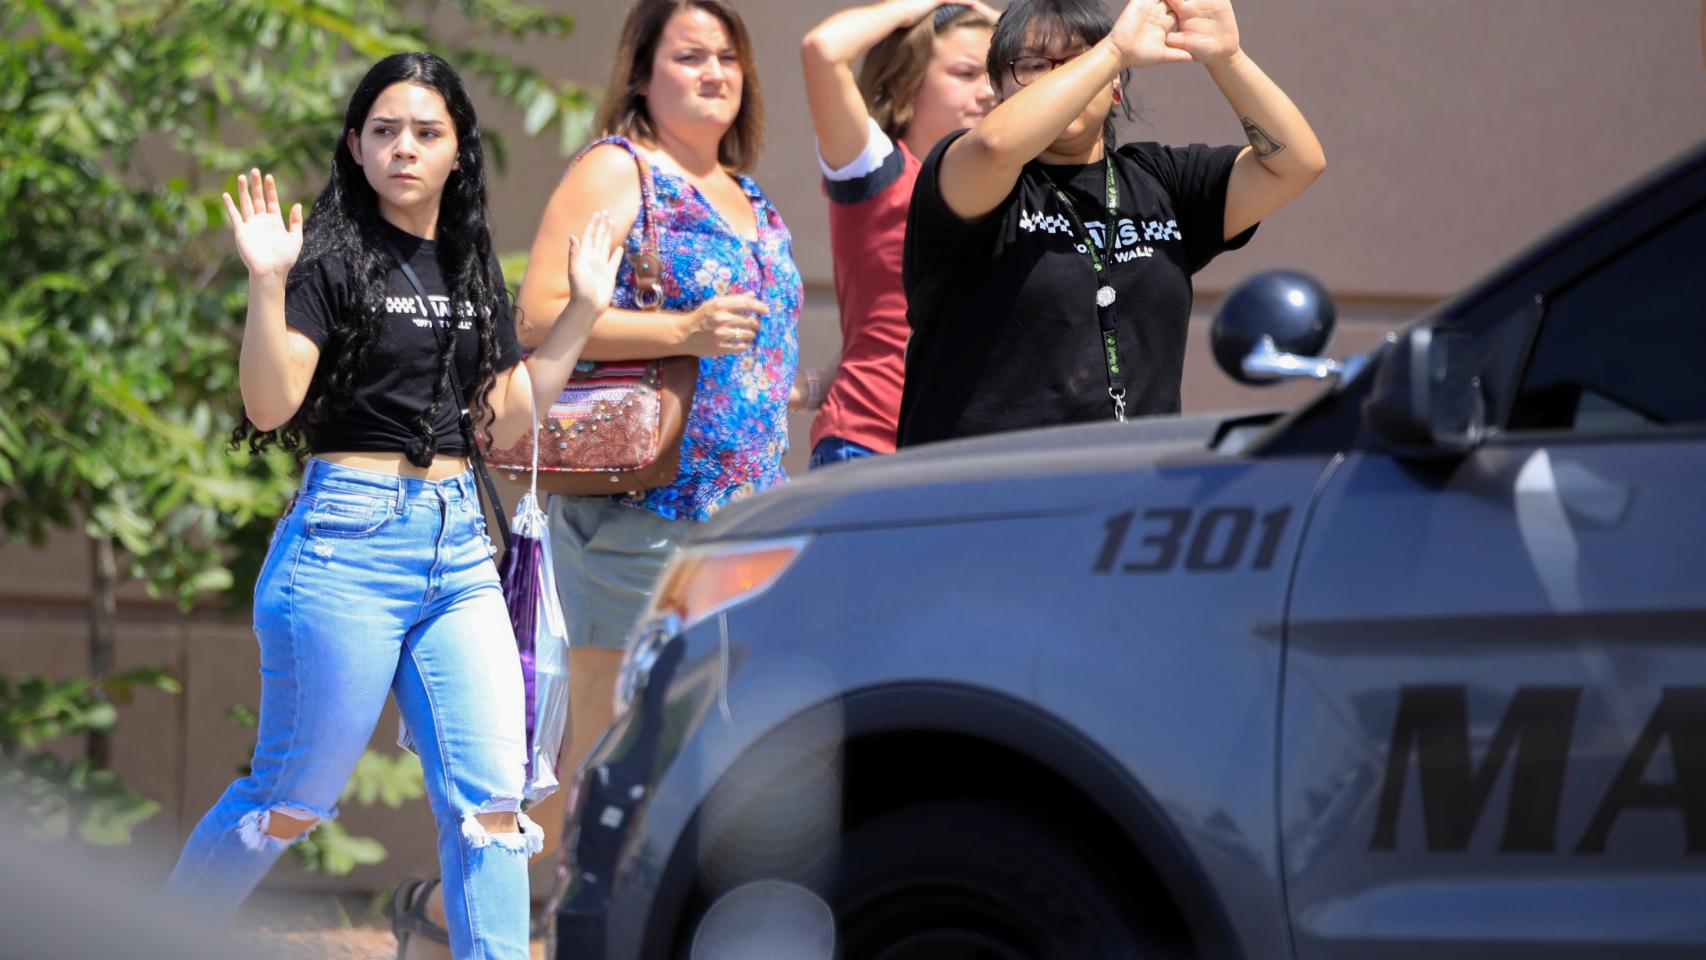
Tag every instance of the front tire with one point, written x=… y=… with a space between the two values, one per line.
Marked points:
x=980 y=880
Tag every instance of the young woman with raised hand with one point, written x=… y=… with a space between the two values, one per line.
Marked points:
x=923 y=76
x=370 y=328
x=683 y=102
x=1047 y=271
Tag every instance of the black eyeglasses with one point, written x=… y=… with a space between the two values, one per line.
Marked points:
x=1026 y=70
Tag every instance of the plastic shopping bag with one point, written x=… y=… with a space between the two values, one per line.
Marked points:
x=542 y=641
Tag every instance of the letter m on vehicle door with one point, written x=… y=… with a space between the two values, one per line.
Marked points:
x=1432 y=726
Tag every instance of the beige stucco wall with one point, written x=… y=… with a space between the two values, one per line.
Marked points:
x=1456 y=132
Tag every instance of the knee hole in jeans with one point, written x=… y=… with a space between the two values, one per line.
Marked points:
x=280 y=825
x=286 y=827
x=501 y=823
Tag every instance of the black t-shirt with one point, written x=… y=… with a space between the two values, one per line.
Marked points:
x=397 y=383
x=1003 y=309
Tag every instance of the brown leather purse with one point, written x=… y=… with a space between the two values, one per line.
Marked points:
x=618 y=425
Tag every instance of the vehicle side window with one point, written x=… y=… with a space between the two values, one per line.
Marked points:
x=1624 y=346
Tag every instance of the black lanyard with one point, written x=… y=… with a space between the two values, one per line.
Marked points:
x=1104 y=284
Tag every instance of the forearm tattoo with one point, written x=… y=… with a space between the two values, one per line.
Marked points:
x=1264 y=145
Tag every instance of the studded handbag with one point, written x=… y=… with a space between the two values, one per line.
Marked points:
x=617 y=427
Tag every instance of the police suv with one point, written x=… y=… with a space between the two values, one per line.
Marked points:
x=1417 y=669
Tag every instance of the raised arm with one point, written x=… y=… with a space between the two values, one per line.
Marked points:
x=1284 y=156
x=276 y=363
x=827 y=55
x=605 y=179
x=980 y=168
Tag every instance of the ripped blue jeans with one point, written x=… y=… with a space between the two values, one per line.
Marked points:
x=376 y=585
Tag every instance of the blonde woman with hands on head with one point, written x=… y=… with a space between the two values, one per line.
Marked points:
x=921 y=75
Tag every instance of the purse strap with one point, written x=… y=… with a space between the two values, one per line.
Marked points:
x=533 y=478
x=464 y=422
x=647 y=264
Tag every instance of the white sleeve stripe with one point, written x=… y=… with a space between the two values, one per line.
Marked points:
x=878 y=146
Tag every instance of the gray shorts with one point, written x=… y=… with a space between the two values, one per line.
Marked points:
x=607 y=558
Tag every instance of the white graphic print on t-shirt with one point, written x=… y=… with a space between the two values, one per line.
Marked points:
x=1127 y=236
x=413 y=307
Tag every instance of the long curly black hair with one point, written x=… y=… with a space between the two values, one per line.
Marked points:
x=344 y=222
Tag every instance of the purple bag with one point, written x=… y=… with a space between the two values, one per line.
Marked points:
x=542 y=640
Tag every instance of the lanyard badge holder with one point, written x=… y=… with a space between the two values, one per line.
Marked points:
x=1106 y=318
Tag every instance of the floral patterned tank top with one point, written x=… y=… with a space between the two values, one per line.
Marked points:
x=737 y=430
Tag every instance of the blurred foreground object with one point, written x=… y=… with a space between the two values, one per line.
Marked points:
x=60 y=901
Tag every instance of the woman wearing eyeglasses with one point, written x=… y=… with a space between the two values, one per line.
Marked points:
x=1047 y=270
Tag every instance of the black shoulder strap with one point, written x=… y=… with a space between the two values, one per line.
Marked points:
x=456 y=385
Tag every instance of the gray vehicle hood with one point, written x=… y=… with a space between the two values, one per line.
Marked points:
x=1025 y=473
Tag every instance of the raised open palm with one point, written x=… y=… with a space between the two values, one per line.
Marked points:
x=593 y=264
x=266 y=243
x=1140 y=34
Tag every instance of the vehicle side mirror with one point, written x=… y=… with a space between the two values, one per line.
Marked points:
x=1426 y=398
x=1272 y=327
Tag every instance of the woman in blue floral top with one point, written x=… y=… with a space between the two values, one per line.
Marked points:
x=683 y=98
x=737 y=430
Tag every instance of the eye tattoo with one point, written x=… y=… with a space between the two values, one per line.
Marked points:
x=1264 y=145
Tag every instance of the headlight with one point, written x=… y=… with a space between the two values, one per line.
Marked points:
x=699 y=583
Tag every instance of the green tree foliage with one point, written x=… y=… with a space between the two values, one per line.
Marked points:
x=121 y=301
x=391 y=779
x=60 y=797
